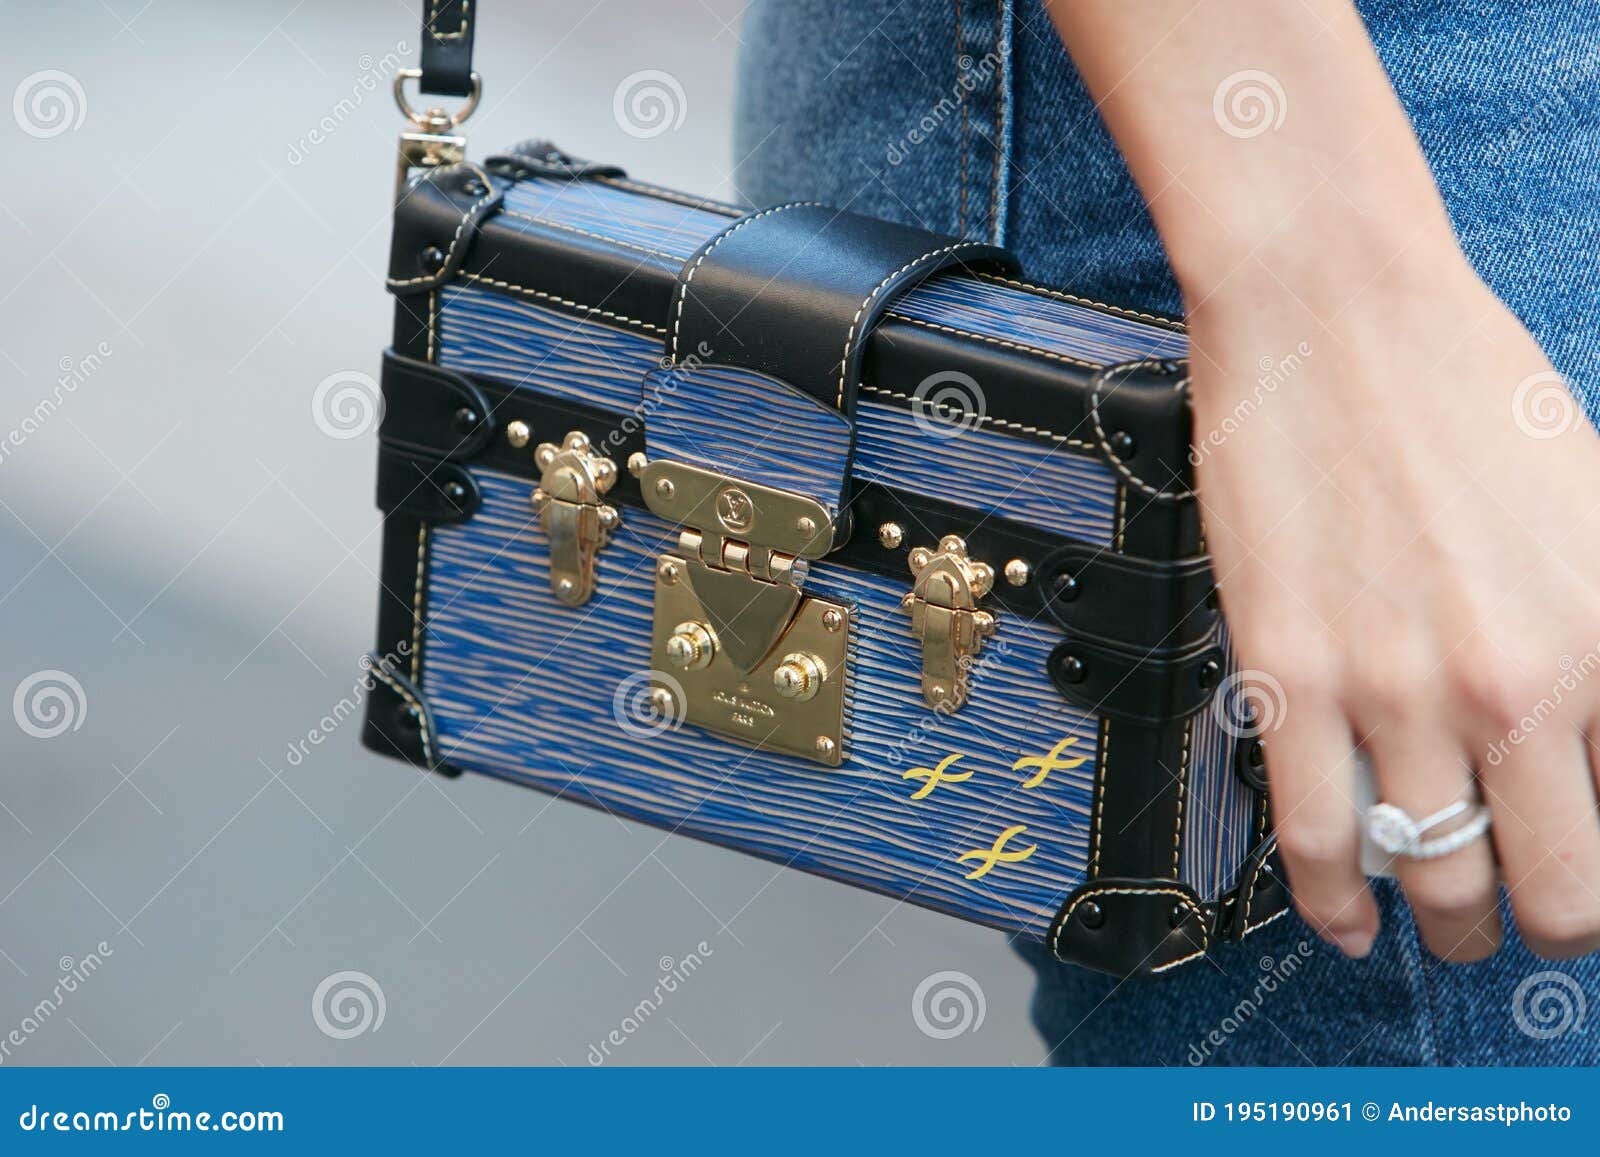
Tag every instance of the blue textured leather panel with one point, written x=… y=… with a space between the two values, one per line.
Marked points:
x=523 y=687
x=1066 y=490
x=1219 y=807
x=740 y=422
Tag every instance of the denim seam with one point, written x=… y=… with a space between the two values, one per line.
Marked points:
x=1427 y=1017
x=961 y=211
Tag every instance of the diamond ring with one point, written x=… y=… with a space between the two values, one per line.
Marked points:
x=1393 y=829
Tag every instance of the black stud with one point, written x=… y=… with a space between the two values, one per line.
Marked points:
x=1066 y=587
x=1123 y=445
x=456 y=493
x=1074 y=669
x=1179 y=913
x=431 y=259
x=411 y=719
x=1167 y=366
x=1209 y=674
x=466 y=420
x=474 y=187
x=1090 y=914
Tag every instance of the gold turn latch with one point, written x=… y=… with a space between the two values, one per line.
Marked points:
x=750 y=654
x=572 y=480
x=944 y=615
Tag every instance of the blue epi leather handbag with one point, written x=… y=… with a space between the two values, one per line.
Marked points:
x=816 y=536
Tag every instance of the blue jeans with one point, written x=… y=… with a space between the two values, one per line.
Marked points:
x=967 y=117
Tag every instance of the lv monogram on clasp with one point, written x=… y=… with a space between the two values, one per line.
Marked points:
x=734 y=636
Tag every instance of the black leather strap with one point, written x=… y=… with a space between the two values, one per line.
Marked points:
x=793 y=291
x=447 y=27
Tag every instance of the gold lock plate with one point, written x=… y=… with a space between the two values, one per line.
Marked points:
x=791 y=700
x=734 y=636
x=576 y=523
x=943 y=604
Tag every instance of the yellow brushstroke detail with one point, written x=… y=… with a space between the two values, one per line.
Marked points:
x=937 y=775
x=1051 y=762
x=997 y=854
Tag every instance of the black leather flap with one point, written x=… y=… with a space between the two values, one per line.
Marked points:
x=441 y=214
x=425 y=488
x=1135 y=685
x=1130 y=927
x=793 y=292
x=429 y=408
x=1096 y=594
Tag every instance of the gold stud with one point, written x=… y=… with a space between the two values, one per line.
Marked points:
x=518 y=434
x=637 y=462
x=1018 y=572
x=891 y=535
x=824 y=747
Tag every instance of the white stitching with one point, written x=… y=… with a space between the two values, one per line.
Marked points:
x=850 y=335
x=1099 y=798
x=460 y=228
x=721 y=208
x=539 y=293
x=683 y=290
x=416 y=603
x=1157 y=319
x=1105 y=443
x=587 y=233
x=988 y=418
x=1183 y=784
x=433 y=21
x=997 y=341
x=1183 y=898
x=416 y=705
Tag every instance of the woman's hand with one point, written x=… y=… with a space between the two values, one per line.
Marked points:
x=1400 y=541
x=1403 y=508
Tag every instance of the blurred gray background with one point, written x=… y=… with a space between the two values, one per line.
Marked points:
x=187 y=576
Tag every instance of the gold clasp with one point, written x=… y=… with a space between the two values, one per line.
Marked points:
x=573 y=478
x=944 y=615
x=752 y=655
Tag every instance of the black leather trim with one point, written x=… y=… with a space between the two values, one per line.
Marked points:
x=448 y=27
x=427 y=408
x=793 y=292
x=536 y=158
x=1150 y=458
x=1260 y=895
x=427 y=489
x=1134 y=685
x=1098 y=594
x=399 y=721
x=1130 y=926
x=437 y=224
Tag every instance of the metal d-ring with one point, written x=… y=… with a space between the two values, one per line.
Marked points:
x=434 y=120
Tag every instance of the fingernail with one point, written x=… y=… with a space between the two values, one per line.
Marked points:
x=1353 y=944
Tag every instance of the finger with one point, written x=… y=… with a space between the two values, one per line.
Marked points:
x=1421 y=770
x=1547 y=834
x=1311 y=771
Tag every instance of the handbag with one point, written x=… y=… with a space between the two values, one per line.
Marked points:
x=816 y=536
